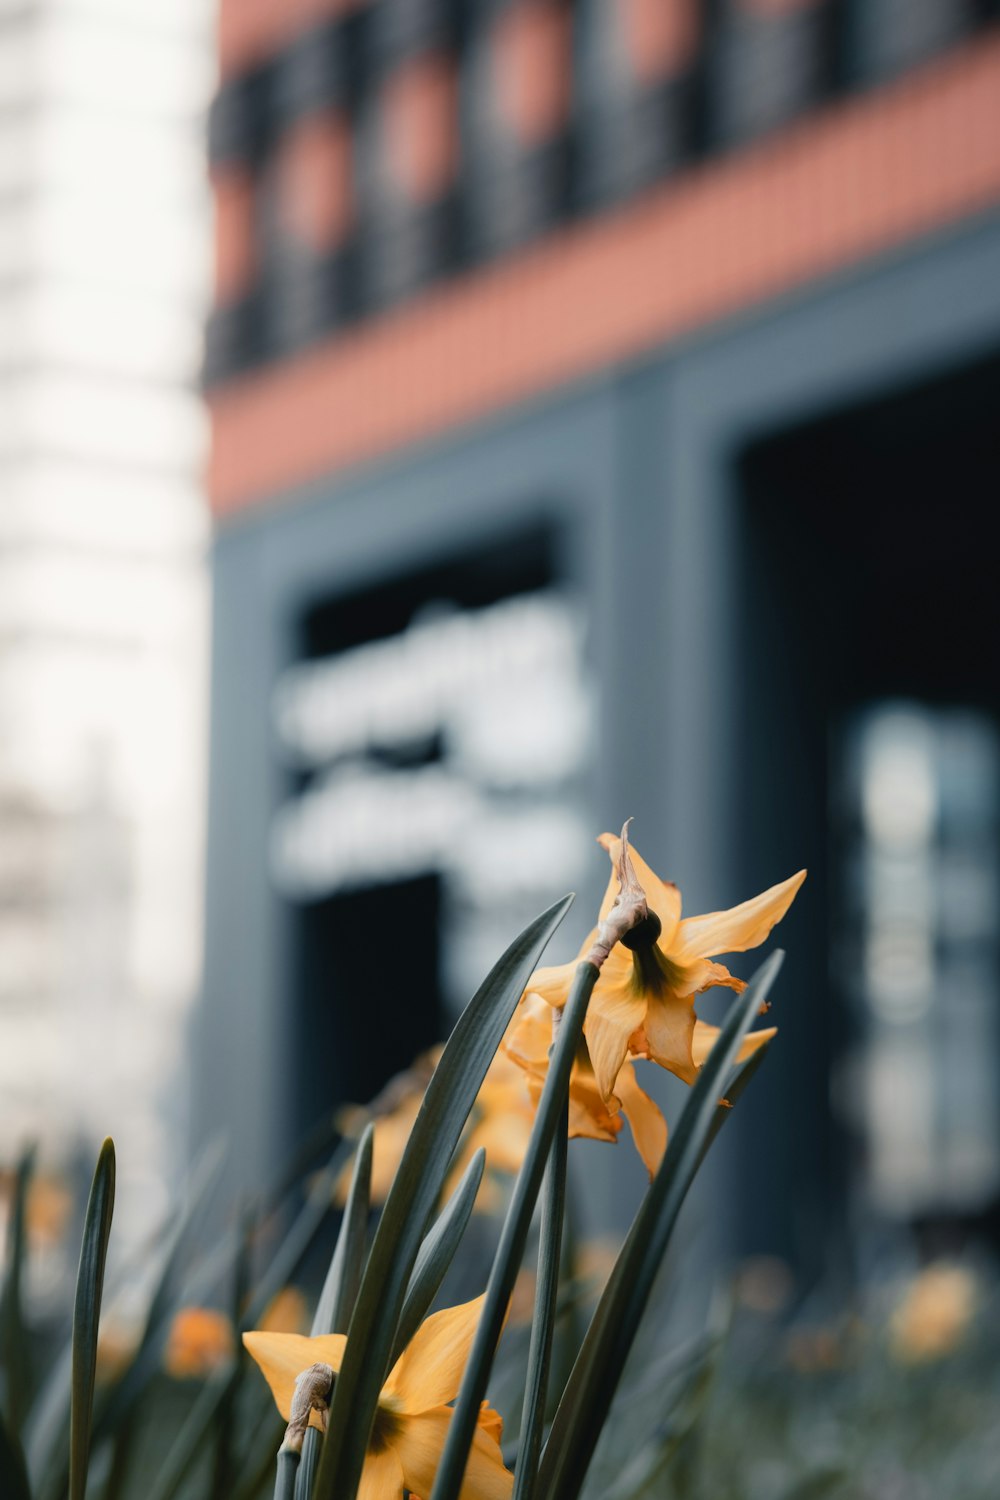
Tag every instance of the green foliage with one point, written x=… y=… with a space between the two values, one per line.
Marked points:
x=450 y=1096
x=217 y=1437
x=86 y=1317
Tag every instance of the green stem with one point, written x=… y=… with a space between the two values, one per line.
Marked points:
x=543 y=1322
x=507 y=1260
x=284 y=1479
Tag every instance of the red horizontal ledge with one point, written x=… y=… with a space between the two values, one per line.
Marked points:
x=855 y=180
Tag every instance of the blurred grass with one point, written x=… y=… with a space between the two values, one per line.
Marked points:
x=857 y=1425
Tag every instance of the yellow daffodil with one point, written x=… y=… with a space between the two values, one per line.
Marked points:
x=591 y=1115
x=643 y=1002
x=412 y=1418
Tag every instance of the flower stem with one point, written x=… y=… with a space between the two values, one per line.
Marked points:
x=543 y=1321
x=507 y=1260
x=284 y=1479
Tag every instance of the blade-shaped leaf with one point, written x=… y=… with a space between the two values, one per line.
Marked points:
x=598 y=1368
x=148 y=1356
x=437 y=1253
x=198 y=1423
x=336 y=1303
x=45 y=1432
x=506 y=1262
x=87 y=1314
x=450 y=1096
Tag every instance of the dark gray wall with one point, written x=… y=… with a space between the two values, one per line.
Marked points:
x=639 y=468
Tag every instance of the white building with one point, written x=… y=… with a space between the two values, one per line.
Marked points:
x=104 y=257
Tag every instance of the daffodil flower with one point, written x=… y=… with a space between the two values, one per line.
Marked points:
x=591 y=1115
x=643 y=1001
x=412 y=1417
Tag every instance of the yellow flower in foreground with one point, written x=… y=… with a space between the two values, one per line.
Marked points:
x=643 y=1001
x=412 y=1418
x=591 y=1116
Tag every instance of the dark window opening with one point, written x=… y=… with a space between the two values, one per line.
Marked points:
x=370 y=987
x=868 y=591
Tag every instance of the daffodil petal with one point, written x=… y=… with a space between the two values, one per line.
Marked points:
x=705 y=1037
x=429 y=1370
x=419 y=1443
x=504 y=1138
x=739 y=928
x=615 y=1012
x=662 y=896
x=649 y=1128
x=529 y=1035
x=382 y=1476
x=691 y=979
x=283 y=1356
x=490 y=1421
x=553 y=983
x=591 y=1116
x=668 y=1035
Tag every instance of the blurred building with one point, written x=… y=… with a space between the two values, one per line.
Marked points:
x=603 y=401
x=103 y=218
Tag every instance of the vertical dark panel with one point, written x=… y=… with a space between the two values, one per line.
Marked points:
x=857 y=529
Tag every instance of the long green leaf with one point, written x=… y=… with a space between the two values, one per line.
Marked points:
x=13 y=1339
x=340 y=1290
x=437 y=1253
x=13 y=1474
x=46 y=1429
x=148 y=1357
x=507 y=1261
x=589 y=1391
x=450 y=1096
x=87 y=1314
x=642 y=1476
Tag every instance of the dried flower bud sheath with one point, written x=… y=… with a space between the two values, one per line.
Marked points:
x=312 y=1393
x=629 y=911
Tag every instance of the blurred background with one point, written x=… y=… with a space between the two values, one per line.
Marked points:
x=576 y=411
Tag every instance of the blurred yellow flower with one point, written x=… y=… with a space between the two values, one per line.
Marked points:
x=393 y=1113
x=287 y=1312
x=500 y=1123
x=933 y=1315
x=47 y=1211
x=200 y=1341
x=591 y=1115
x=412 y=1417
x=117 y=1343
x=643 y=1001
